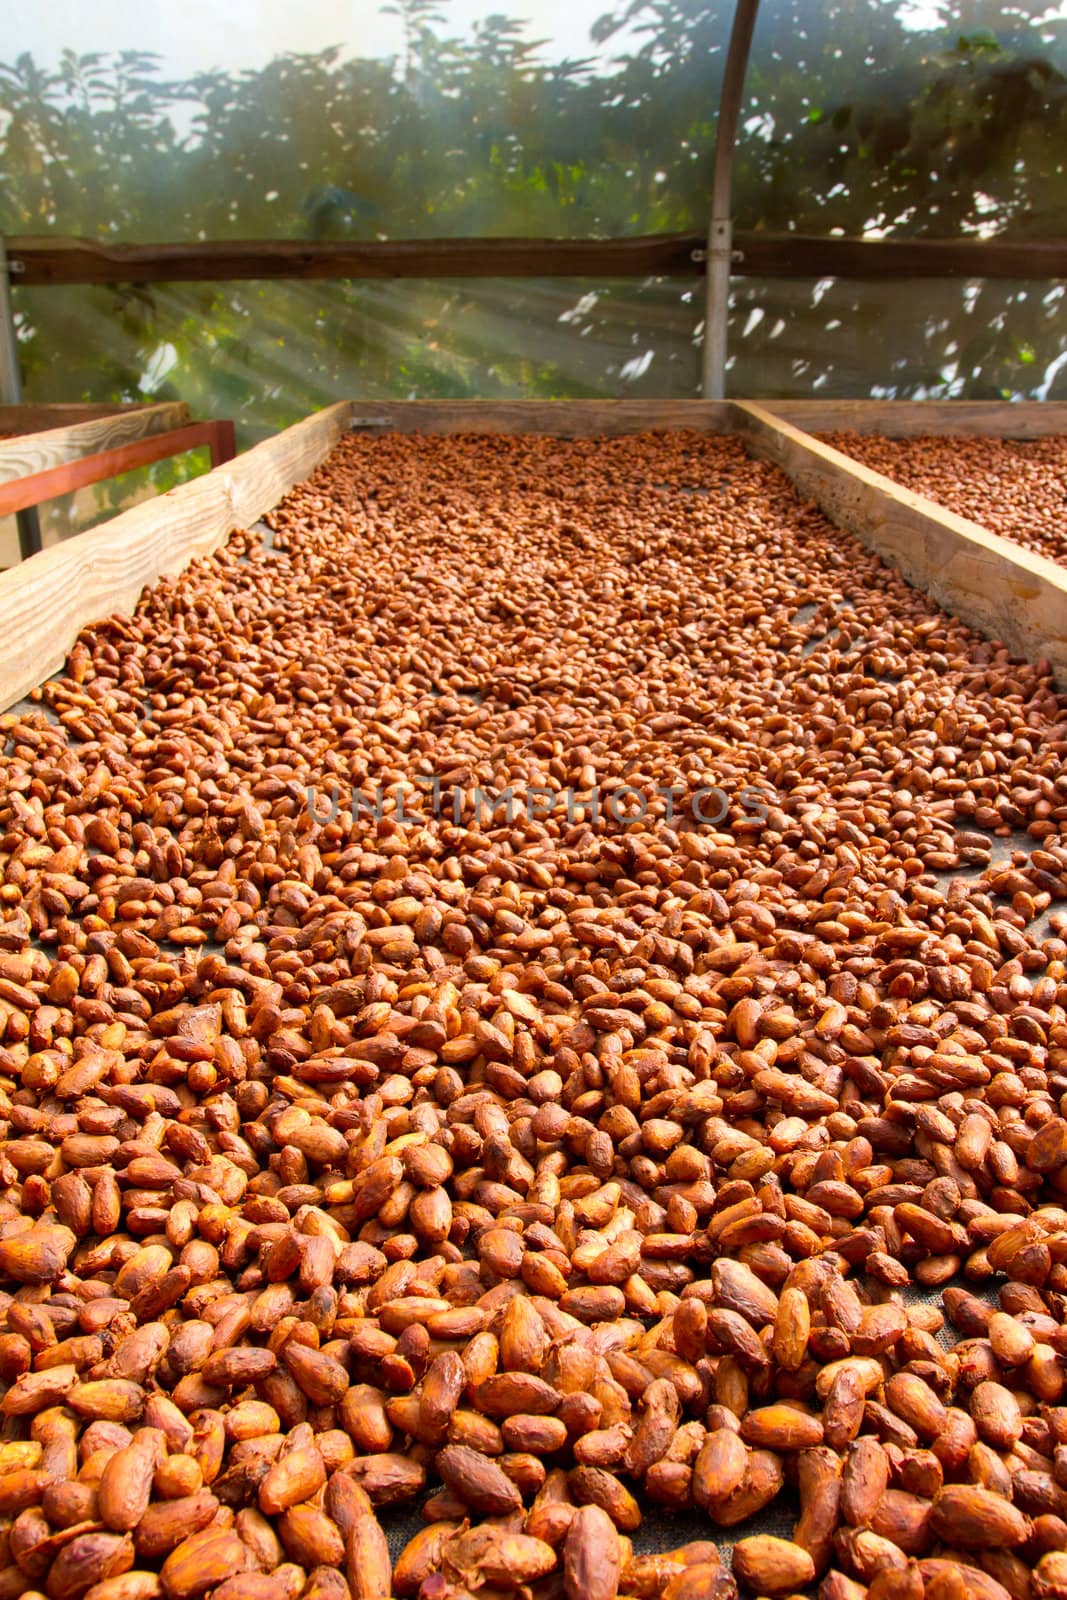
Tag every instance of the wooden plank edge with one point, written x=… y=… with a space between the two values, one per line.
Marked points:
x=999 y=588
x=47 y=259
x=46 y=601
x=50 y=259
x=909 y=419
x=39 y=416
x=54 y=447
x=558 y=418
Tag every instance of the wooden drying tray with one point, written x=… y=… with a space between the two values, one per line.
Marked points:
x=1003 y=590
x=39 y=465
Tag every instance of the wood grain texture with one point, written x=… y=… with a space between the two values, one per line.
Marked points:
x=50 y=259
x=31 y=453
x=46 y=601
x=54 y=260
x=25 y=418
x=1001 y=589
x=790 y=255
x=565 y=419
x=907 y=419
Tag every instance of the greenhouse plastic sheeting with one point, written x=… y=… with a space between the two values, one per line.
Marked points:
x=441 y=118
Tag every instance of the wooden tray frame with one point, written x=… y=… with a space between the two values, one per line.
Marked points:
x=1000 y=588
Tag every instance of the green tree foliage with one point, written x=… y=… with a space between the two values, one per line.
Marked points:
x=856 y=120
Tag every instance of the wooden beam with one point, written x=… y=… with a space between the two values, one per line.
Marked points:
x=998 y=587
x=565 y=419
x=802 y=256
x=39 y=418
x=46 y=601
x=41 y=451
x=909 y=419
x=52 y=260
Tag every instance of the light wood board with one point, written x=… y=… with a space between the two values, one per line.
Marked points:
x=1000 y=588
x=47 y=600
x=30 y=453
x=908 y=419
x=566 y=419
x=36 y=417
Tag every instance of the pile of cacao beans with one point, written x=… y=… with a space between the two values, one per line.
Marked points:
x=507 y=990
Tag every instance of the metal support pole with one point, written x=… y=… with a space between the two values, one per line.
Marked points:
x=720 y=229
x=11 y=394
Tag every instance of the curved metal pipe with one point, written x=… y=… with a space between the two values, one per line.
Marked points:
x=720 y=228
